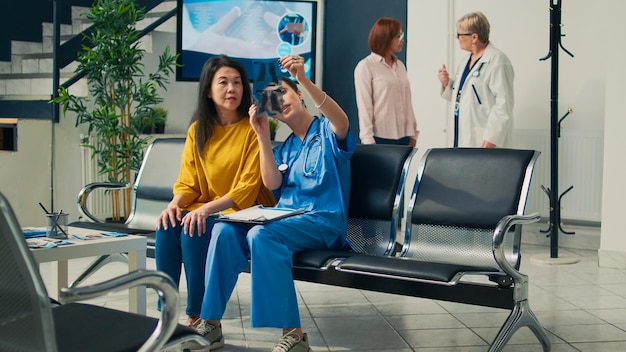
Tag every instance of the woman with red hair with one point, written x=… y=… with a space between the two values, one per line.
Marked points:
x=383 y=92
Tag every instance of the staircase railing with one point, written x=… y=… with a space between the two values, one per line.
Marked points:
x=151 y=27
x=63 y=55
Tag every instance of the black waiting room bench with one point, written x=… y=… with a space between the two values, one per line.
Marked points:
x=462 y=227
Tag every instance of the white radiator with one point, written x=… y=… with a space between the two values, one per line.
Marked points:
x=580 y=165
x=98 y=203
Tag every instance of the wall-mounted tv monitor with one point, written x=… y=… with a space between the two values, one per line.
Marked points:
x=255 y=32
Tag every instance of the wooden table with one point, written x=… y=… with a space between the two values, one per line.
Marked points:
x=135 y=246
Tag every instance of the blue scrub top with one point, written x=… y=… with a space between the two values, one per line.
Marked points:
x=318 y=175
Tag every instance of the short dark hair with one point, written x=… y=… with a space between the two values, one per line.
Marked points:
x=291 y=83
x=384 y=30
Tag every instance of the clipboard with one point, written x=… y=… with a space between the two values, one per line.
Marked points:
x=259 y=215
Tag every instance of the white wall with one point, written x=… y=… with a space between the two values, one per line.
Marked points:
x=521 y=29
x=612 y=251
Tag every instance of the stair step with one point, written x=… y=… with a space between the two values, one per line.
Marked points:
x=34 y=75
x=20 y=47
x=34 y=84
x=26 y=81
x=25 y=97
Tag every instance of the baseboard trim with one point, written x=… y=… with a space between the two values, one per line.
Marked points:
x=584 y=237
x=611 y=259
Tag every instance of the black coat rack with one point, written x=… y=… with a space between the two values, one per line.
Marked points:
x=555 y=130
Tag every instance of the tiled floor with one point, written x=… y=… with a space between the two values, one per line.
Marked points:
x=582 y=306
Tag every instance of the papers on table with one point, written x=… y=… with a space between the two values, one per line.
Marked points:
x=93 y=236
x=45 y=242
x=36 y=237
x=30 y=232
x=260 y=214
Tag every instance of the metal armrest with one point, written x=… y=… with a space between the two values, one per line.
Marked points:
x=84 y=193
x=521 y=280
x=156 y=280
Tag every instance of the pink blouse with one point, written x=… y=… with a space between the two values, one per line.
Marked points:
x=383 y=99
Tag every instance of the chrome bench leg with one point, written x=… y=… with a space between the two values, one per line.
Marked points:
x=97 y=264
x=520 y=316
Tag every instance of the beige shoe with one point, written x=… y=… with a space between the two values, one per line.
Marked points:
x=292 y=343
x=211 y=333
x=192 y=322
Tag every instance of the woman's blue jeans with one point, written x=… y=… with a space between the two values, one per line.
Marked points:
x=175 y=249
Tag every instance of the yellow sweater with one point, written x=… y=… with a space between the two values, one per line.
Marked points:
x=229 y=167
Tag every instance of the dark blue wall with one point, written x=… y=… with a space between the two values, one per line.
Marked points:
x=347 y=25
x=21 y=20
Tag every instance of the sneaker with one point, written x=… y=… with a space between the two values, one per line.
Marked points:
x=211 y=333
x=292 y=343
x=192 y=322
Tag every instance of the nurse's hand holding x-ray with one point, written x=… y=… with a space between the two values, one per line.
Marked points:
x=295 y=115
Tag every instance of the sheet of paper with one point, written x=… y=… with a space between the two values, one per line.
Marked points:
x=260 y=214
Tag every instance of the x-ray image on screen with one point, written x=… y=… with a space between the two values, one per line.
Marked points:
x=256 y=33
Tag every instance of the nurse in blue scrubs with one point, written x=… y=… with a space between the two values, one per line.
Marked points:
x=309 y=171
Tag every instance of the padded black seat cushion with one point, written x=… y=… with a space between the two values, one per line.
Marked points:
x=406 y=268
x=128 y=331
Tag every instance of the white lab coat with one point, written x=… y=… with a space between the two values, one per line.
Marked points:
x=486 y=102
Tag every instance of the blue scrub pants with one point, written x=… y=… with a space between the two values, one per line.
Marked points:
x=174 y=247
x=270 y=248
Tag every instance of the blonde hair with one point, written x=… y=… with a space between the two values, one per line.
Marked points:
x=475 y=22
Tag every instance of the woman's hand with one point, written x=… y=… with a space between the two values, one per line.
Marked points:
x=444 y=77
x=487 y=144
x=171 y=215
x=295 y=65
x=194 y=222
x=260 y=125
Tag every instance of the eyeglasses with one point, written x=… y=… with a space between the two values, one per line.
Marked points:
x=458 y=35
x=400 y=36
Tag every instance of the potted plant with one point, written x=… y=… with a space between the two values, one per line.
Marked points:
x=155 y=123
x=122 y=99
x=273 y=127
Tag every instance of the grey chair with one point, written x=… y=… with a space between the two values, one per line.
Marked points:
x=29 y=322
x=151 y=193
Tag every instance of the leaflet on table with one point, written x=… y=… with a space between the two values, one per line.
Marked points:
x=31 y=232
x=93 y=236
x=46 y=242
x=260 y=214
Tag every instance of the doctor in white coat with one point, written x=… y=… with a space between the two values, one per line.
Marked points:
x=482 y=91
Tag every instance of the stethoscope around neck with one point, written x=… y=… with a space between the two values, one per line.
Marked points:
x=308 y=141
x=476 y=73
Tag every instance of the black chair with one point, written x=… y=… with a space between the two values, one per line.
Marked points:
x=29 y=322
x=378 y=178
x=462 y=239
x=466 y=213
